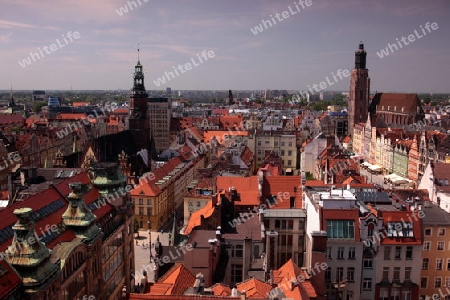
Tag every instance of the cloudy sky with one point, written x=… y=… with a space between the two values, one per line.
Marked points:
x=301 y=50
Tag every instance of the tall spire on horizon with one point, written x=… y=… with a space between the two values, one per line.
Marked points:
x=138 y=59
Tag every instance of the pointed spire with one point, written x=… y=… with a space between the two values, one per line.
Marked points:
x=11 y=99
x=138 y=58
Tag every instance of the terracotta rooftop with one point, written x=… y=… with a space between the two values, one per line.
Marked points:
x=398 y=103
x=10 y=280
x=282 y=277
x=254 y=288
x=220 y=289
x=177 y=280
x=283 y=188
x=196 y=218
x=8 y=119
x=179 y=297
x=441 y=172
x=50 y=204
x=246 y=187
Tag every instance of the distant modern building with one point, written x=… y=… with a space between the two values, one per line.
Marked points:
x=54 y=101
x=160 y=114
x=38 y=95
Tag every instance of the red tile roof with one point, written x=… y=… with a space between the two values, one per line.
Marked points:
x=283 y=188
x=179 y=297
x=196 y=218
x=177 y=280
x=71 y=116
x=347 y=139
x=9 y=281
x=254 y=288
x=247 y=187
x=403 y=216
x=39 y=200
x=290 y=271
x=221 y=135
x=147 y=184
x=8 y=119
x=220 y=289
x=231 y=121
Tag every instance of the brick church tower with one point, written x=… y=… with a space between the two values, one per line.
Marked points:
x=358 y=103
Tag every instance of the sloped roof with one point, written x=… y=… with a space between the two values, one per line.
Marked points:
x=179 y=278
x=254 y=288
x=441 y=171
x=8 y=119
x=397 y=103
x=10 y=280
x=220 y=289
x=196 y=218
x=246 y=187
x=53 y=203
x=289 y=271
x=282 y=186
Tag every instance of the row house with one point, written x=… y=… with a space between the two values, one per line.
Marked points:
x=282 y=143
x=159 y=192
x=358 y=138
x=372 y=251
x=435 y=273
x=436 y=181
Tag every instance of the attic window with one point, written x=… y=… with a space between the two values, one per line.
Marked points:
x=398 y=229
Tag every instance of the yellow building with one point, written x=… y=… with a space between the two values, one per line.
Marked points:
x=159 y=192
x=282 y=143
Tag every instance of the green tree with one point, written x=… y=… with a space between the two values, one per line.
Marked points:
x=309 y=176
x=38 y=106
x=136 y=226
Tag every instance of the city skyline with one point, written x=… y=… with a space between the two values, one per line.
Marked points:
x=296 y=45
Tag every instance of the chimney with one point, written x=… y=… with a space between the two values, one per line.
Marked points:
x=218 y=233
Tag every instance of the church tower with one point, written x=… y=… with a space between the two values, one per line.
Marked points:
x=358 y=103
x=139 y=124
x=138 y=100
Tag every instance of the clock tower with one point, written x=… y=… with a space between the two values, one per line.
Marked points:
x=139 y=123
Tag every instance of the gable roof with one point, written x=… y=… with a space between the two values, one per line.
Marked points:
x=288 y=273
x=254 y=288
x=397 y=103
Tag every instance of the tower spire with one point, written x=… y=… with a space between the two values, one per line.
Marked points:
x=139 y=61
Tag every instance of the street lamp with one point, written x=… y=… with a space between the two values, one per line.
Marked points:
x=149 y=223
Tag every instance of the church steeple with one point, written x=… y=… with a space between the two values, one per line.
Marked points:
x=358 y=103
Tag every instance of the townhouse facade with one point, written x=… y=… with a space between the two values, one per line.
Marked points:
x=159 y=192
x=435 y=264
x=372 y=252
x=282 y=143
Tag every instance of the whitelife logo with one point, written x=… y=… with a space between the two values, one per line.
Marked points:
x=265 y=24
x=49 y=49
x=187 y=66
x=411 y=38
x=124 y=9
